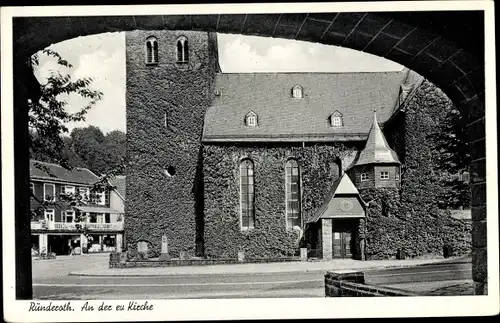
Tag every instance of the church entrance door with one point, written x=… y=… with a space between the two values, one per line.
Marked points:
x=342 y=247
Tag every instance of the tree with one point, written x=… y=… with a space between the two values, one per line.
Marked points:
x=98 y=152
x=115 y=146
x=88 y=144
x=47 y=116
x=453 y=159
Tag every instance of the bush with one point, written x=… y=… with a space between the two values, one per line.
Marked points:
x=131 y=255
x=141 y=256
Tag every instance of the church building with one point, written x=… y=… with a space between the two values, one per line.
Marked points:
x=260 y=163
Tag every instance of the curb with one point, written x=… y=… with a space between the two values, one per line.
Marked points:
x=197 y=273
x=83 y=274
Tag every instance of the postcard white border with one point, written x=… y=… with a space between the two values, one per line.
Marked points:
x=224 y=309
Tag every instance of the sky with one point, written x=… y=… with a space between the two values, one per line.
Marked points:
x=102 y=57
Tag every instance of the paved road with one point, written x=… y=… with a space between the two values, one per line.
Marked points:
x=206 y=286
x=51 y=281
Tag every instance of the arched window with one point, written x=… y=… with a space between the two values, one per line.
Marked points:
x=336 y=120
x=297 y=91
x=292 y=178
x=336 y=168
x=182 y=50
x=251 y=119
x=247 y=195
x=151 y=50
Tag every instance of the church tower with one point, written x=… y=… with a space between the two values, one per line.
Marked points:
x=377 y=165
x=170 y=84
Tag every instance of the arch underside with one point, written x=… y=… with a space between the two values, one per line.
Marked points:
x=448 y=55
x=447 y=48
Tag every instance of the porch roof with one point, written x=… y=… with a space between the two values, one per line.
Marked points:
x=96 y=209
x=344 y=216
x=343 y=186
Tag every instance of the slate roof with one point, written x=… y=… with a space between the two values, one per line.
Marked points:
x=284 y=118
x=343 y=185
x=377 y=149
x=119 y=183
x=58 y=173
x=409 y=89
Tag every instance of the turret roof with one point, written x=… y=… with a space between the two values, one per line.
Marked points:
x=377 y=149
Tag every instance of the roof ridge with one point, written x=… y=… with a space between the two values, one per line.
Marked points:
x=341 y=72
x=44 y=162
x=58 y=165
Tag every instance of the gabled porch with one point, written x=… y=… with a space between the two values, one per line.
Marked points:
x=335 y=229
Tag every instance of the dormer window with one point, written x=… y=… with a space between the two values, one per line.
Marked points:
x=297 y=92
x=251 y=119
x=182 y=50
x=336 y=120
x=151 y=50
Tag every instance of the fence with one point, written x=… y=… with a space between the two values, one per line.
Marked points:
x=49 y=225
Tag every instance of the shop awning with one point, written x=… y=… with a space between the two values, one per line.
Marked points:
x=95 y=209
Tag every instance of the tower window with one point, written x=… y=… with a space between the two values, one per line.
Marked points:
x=292 y=179
x=247 y=195
x=170 y=171
x=384 y=175
x=151 y=51
x=251 y=119
x=182 y=50
x=297 y=92
x=336 y=120
x=364 y=177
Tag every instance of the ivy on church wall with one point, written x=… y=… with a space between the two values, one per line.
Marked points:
x=387 y=228
x=411 y=219
x=190 y=192
x=269 y=238
x=166 y=104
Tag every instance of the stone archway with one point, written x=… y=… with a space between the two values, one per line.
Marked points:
x=445 y=47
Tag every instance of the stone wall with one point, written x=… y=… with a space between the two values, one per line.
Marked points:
x=352 y=285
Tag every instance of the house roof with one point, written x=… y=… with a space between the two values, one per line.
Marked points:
x=343 y=186
x=96 y=209
x=377 y=149
x=284 y=118
x=119 y=183
x=48 y=171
